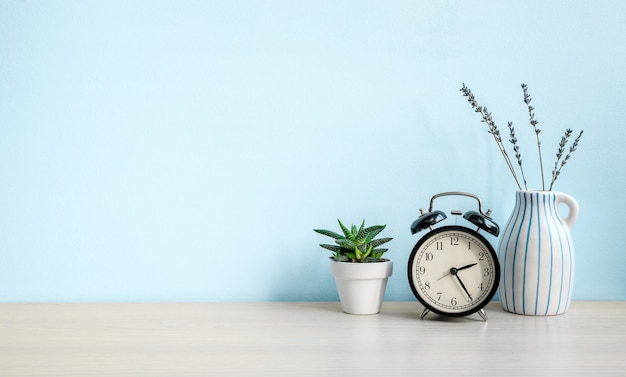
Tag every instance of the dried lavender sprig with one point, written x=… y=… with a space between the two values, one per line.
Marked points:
x=493 y=129
x=572 y=148
x=518 y=155
x=534 y=123
x=559 y=154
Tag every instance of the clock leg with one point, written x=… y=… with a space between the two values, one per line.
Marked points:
x=483 y=314
x=426 y=311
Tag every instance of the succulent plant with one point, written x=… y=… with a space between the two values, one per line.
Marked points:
x=356 y=244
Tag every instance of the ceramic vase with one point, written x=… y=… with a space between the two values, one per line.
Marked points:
x=536 y=254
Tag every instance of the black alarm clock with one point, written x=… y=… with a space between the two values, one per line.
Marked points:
x=453 y=270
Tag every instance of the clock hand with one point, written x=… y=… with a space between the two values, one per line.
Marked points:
x=450 y=271
x=463 y=285
x=454 y=270
x=466 y=267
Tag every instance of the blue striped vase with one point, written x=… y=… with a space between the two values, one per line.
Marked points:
x=536 y=254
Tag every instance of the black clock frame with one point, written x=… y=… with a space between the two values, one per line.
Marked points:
x=473 y=233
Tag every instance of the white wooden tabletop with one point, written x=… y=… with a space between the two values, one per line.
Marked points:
x=305 y=339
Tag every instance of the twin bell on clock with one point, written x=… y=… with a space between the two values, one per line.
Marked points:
x=453 y=270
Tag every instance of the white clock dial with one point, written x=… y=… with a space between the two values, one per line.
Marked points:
x=453 y=270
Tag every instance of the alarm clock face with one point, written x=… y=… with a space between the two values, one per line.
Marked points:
x=454 y=271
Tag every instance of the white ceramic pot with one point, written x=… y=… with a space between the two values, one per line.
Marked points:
x=361 y=286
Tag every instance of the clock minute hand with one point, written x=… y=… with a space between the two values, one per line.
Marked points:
x=463 y=285
x=454 y=272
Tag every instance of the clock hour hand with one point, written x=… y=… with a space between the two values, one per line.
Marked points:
x=454 y=270
x=466 y=267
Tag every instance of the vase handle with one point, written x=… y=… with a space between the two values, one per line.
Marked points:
x=572 y=205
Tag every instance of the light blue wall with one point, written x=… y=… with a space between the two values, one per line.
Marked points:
x=185 y=150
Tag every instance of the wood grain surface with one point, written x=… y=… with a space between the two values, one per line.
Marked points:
x=305 y=339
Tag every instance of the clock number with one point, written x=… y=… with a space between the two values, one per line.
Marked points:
x=486 y=272
x=481 y=255
x=427 y=285
x=422 y=270
x=454 y=241
x=453 y=301
x=439 y=245
x=469 y=245
x=429 y=256
x=439 y=296
x=481 y=287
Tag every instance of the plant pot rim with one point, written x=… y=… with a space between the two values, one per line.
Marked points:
x=351 y=270
x=382 y=260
